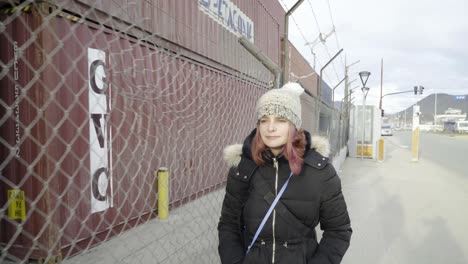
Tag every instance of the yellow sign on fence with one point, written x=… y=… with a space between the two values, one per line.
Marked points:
x=17 y=205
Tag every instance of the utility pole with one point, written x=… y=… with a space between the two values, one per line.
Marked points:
x=415 y=134
x=435 y=110
x=381 y=83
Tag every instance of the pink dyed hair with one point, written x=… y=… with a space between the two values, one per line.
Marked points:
x=293 y=150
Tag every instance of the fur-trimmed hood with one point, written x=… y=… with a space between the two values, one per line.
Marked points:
x=232 y=153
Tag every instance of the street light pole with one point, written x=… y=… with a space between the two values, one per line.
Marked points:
x=363 y=123
x=364 y=75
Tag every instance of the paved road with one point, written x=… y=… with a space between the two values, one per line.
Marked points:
x=447 y=151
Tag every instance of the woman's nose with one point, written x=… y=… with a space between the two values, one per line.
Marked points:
x=271 y=126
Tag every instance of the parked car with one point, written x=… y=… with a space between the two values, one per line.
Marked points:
x=462 y=127
x=386 y=130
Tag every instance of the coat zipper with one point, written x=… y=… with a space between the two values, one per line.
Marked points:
x=275 y=163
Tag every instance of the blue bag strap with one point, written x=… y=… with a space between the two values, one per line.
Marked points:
x=265 y=218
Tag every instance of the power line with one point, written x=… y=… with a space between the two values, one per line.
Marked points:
x=319 y=29
x=320 y=32
x=315 y=17
x=294 y=20
x=333 y=63
x=336 y=33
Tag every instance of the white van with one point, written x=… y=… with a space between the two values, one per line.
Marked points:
x=386 y=130
x=462 y=127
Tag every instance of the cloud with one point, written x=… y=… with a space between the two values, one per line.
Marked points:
x=421 y=43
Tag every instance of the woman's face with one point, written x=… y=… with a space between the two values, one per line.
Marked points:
x=274 y=131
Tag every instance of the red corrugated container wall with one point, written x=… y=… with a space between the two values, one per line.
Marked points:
x=21 y=167
x=183 y=23
x=166 y=111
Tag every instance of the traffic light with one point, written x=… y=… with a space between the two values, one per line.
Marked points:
x=421 y=88
x=383 y=113
x=415 y=90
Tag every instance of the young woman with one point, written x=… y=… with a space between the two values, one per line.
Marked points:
x=276 y=150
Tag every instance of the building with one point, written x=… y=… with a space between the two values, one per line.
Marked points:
x=450 y=115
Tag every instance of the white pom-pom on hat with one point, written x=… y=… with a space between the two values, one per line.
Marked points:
x=293 y=88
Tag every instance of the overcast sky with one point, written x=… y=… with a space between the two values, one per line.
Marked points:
x=421 y=43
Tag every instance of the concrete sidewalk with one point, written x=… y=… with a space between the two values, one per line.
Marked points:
x=405 y=212
x=189 y=235
x=401 y=212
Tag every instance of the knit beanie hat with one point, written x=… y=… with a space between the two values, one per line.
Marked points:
x=284 y=102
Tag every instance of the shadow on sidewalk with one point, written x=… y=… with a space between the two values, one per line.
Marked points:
x=437 y=246
x=377 y=231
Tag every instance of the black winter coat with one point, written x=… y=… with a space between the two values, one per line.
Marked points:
x=312 y=197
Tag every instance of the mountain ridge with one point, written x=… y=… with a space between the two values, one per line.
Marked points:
x=444 y=102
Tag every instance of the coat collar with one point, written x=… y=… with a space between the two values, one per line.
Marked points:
x=317 y=157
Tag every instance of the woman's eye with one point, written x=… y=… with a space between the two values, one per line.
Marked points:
x=282 y=120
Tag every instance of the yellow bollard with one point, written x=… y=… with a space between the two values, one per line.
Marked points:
x=381 y=149
x=415 y=145
x=163 y=193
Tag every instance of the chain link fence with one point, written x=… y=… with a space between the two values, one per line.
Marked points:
x=92 y=105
